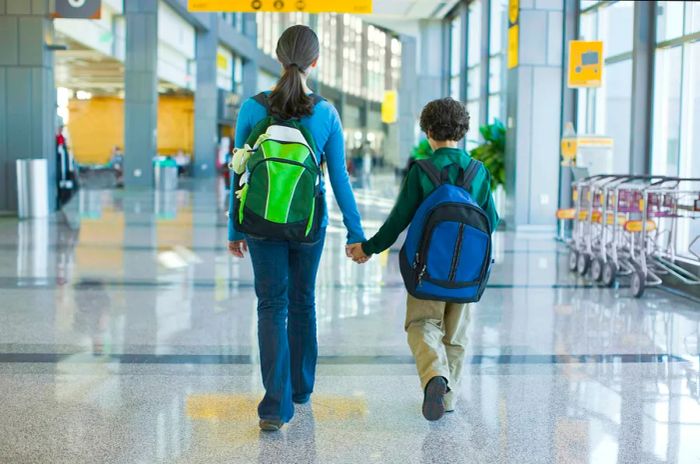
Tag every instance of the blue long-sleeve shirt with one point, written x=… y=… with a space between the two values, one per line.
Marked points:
x=327 y=131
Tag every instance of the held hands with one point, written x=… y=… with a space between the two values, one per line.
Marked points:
x=356 y=253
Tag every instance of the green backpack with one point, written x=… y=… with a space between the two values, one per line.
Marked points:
x=280 y=191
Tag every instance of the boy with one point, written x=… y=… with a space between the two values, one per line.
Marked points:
x=437 y=330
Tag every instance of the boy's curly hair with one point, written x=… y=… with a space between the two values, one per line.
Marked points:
x=444 y=120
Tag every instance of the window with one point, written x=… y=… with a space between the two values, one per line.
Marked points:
x=617 y=28
x=474 y=63
x=455 y=55
x=497 y=68
x=396 y=50
x=376 y=63
x=667 y=102
x=352 y=55
x=676 y=113
x=669 y=22
x=328 y=35
x=608 y=110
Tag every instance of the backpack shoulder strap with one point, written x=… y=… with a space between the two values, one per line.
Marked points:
x=431 y=171
x=470 y=174
x=262 y=99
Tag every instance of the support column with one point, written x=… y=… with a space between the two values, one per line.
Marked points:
x=408 y=92
x=27 y=94
x=206 y=99
x=534 y=118
x=141 y=89
x=569 y=96
x=250 y=67
x=642 y=86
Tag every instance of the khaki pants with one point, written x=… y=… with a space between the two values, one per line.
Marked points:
x=437 y=335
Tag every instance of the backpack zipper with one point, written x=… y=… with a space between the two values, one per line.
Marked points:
x=457 y=252
x=427 y=234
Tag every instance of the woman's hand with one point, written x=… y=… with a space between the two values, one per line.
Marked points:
x=356 y=253
x=238 y=248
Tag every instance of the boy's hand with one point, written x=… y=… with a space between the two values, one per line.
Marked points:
x=357 y=254
x=238 y=248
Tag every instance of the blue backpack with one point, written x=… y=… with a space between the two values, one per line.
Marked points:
x=447 y=254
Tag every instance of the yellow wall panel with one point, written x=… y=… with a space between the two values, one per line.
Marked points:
x=97 y=125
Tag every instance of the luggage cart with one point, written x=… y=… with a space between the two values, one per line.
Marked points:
x=663 y=205
x=582 y=196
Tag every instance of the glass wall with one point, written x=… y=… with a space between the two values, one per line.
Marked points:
x=474 y=62
x=455 y=55
x=328 y=35
x=353 y=63
x=607 y=110
x=396 y=49
x=676 y=96
x=363 y=51
x=376 y=63
x=497 y=60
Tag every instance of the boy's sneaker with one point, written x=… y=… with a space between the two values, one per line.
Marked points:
x=267 y=425
x=434 y=399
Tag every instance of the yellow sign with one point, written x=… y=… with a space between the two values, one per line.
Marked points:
x=585 y=64
x=569 y=148
x=513 y=11
x=390 y=107
x=513 y=46
x=282 y=6
x=221 y=61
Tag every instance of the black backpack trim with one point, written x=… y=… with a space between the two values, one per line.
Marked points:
x=465 y=178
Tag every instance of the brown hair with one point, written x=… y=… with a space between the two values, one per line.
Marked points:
x=445 y=120
x=297 y=50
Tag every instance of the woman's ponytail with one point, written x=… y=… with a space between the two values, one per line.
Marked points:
x=297 y=50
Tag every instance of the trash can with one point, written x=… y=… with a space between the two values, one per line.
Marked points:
x=165 y=172
x=32 y=188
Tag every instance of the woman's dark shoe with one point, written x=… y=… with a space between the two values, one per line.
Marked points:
x=270 y=425
x=434 y=399
x=301 y=399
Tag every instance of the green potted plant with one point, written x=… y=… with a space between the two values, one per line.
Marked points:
x=492 y=152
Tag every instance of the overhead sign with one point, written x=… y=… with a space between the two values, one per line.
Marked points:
x=78 y=9
x=585 y=64
x=390 y=107
x=513 y=33
x=282 y=6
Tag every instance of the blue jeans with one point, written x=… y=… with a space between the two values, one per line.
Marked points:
x=285 y=284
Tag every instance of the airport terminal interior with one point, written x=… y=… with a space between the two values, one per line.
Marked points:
x=129 y=332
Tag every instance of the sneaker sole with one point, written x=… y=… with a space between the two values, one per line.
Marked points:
x=267 y=426
x=433 y=403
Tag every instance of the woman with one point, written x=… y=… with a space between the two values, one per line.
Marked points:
x=285 y=272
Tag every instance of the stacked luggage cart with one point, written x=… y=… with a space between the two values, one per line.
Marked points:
x=627 y=226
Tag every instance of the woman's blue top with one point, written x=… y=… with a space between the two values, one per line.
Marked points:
x=327 y=131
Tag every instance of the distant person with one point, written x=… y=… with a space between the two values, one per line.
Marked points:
x=451 y=262
x=116 y=160
x=183 y=162
x=285 y=227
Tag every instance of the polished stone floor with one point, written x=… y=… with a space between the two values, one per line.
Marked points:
x=127 y=335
